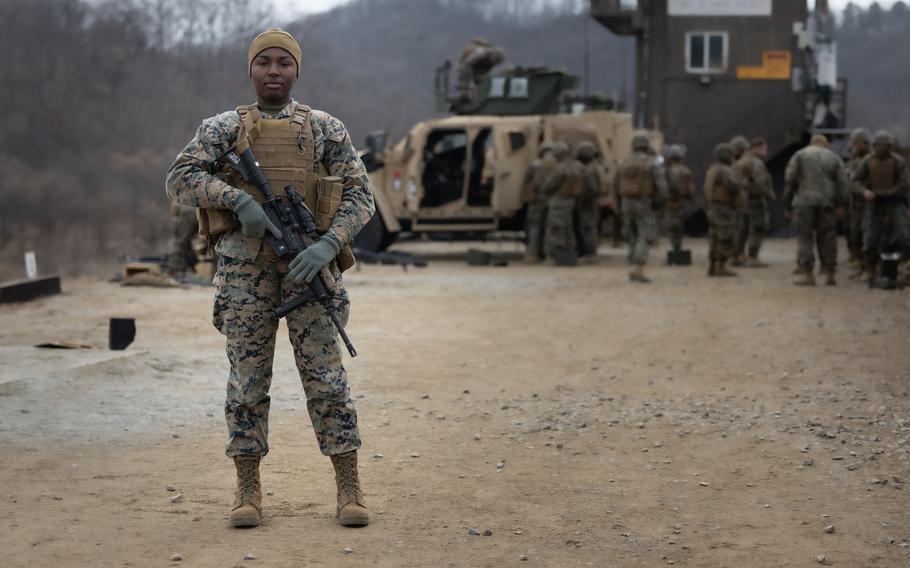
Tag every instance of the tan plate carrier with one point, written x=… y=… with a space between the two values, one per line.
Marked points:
x=286 y=153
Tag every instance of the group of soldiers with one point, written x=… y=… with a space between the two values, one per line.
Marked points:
x=559 y=186
x=869 y=194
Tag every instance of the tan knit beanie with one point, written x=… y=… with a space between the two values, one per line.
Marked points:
x=274 y=38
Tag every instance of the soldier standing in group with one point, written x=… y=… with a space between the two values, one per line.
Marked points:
x=753 y=176
x=562 y=186
x=182 y=256
x=251 y=282
x=477 y=59
x=588 y=201
x=740 y=146
x=722 y=191
x=883 y=175
x=815 y=195
x=860 y=145
x=536 y=201
x=639 y=190
x=681 y=188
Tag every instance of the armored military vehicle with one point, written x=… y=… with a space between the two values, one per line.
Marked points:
x=463 y=174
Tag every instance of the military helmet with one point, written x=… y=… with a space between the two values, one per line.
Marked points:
x=545 y=147
x=861 y=135
x=884 y=138
x=819 y=140
x=723 y=152
x=641 y=142
x=675 y=152
x=560 y=149
x=585 y=151
x=739 y=144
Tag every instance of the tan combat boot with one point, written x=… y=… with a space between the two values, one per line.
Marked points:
x=638 y=275
x=829 y=278
x=753 y=262
x=352 y=510
x=805 y=278
x=712 y=268
x=722 y=269
x=738 y=260
x=247 y=509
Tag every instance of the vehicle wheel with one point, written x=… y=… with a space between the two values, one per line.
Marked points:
x=374 y=236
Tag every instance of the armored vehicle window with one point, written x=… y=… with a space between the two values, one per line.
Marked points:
x=444 y=157
x=516 y=140
x=483 y=169
x=706 y=52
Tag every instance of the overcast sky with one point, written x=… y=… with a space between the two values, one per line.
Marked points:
x=290 y=9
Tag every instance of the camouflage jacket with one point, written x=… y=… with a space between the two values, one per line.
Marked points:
x=680 y=185
x=815 y=177
x=191 y=179
x=661 y=193
x=752 y=173
x=901 y=186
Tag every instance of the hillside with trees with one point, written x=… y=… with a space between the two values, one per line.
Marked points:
x=100 y=96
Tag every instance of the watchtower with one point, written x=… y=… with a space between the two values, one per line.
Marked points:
x=708 y=70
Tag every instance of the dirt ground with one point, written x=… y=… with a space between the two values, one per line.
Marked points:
x=583 y=420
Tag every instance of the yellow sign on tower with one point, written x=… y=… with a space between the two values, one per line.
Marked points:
x=775 y=66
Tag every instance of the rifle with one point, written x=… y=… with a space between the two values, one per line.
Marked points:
x=298 y=231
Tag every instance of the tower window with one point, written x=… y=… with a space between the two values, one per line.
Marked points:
x=706 y=52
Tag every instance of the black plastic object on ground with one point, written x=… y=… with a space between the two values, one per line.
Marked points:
x=679 y=257
x=122 y=333
x=478 y=257
x=889 y=271
x=25 y=290
x=565 y=257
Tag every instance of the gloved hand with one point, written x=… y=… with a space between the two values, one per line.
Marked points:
x=308 y=263
x=253 y=220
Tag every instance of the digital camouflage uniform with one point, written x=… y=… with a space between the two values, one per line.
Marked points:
x=860 y=146
x=182 y=256
x=886 y=221
x=681 y=189
x=721 y=193
x=536 y=201
x=640 y=189
x=816 y=185
x=562 y=186
x=753 y=176
x=477 y=58
x=250 y=283
x=740 y=146
x=588 y=201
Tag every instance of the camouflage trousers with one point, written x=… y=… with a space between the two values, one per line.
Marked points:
x=751 y=227
x=722 y=232
x=182 y=255
x=246 y=294
x=885 y=224
x=536 y=226
x=588 y=224
x=676 y=223
x=640 y=228
x=816 y=228
x=855 y=223
x=560 y=227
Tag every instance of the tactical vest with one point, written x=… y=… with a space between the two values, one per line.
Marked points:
x=681 y=184
x=716 y=190
x=548 y=165
x=635 y=178
x=573 y=184
x=881 y=174
x=285 y=151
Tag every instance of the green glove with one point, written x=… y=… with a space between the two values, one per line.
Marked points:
x=253 y=220
x=308 y=263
